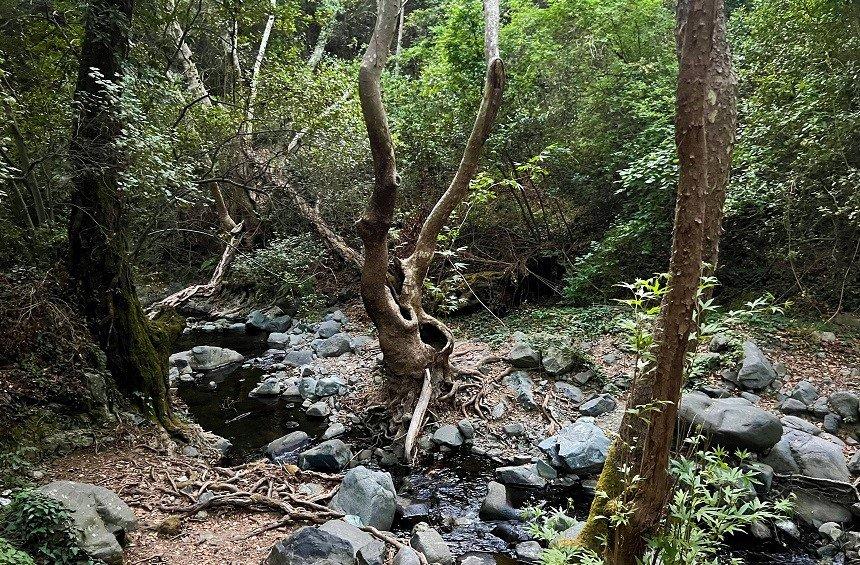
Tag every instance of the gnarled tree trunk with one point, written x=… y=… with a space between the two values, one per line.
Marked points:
x=413 y=342
x=136 y=349
x=704 y=133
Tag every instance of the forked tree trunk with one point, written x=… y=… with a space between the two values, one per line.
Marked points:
x=647 y=429
x=413 y=342
x=136 y=349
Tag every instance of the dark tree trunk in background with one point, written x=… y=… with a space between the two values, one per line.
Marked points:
x=704 y=134
x=136 y=349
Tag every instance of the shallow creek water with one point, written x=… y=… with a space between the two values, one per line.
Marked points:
x=452 y=488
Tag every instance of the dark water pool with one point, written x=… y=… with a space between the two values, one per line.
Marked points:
x=452 y=488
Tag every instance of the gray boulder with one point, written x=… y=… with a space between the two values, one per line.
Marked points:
x=598 y=405
x=496 y=505
x=846 y=404
x=279 y=340
x=805 y=392
x=429 y=542
x=793 y=406
x=756 y=372
x=805 y=454
x=287 y=444
x=735 y=422
x=798 y=423
x=524 y=356
x=815 y=510
x=522 y=386
x=99 y=516
x=528 y=552
x=208 y=358
x=363 y=544
x=312 y=546
x=328 y=328
x=269 y=387
x=307 y=387
x=369 y=495
x=333 y=346
x=448 y=435
x=568 y=391
x=299 y=357
x=406 y=556
x=330 y=386
x=521 y=476
x=318 y=410
x=330 y=456
x=558 y=361
x=580 y=447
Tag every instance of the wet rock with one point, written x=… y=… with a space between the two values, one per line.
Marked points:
x=735 y=422
x=801 y=453
x=334 y=346
x=598 y=405
x=99 y=516
x=406 y=556
x=788 y=527
x=328 y=328
x=208 y=357
x=760 y=530
x=528 y=551
x=569 y=534
x=581 y=447
x=448 y=435
x=522 y=387
x=466 y=428
x=270 y=387
x=846 y=404
x=312 y=546
x=496 y=505
x=558 y=361
x=815 y=510
x=568 y=391
x=319 y=409
x=830 y=530
x=805 y=392
x=370 y=548
x=521 y=476
x=510 y=532
x=330 y=456
x=478 y=559
x=411 y=514
x=792 y=406
x=334 y=430
x=756 y=372
x=299 y=357
x=287 y=444
x=370 y=495
x=428 y=541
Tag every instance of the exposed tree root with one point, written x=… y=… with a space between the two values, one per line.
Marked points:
x=417 y=420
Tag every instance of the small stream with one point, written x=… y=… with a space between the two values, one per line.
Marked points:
x=452 y=488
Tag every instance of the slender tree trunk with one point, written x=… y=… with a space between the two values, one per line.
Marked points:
x=136 y=349
x=647 y=429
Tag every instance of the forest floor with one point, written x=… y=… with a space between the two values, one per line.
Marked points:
x=149 y=470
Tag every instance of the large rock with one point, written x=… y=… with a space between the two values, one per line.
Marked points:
x=333 y=346
x=448 y=435
x=330 y=456
x=271 y=321
x=580 y=447
x=369 y=495
x=559 y=361
x=363 y=544
x=524 y=356
x=208 y=357
x=756 y=371
x=598 y=405
x=815 y=510
x=99 y=516
x=312 y=546
x=801 y=453
x=496 y=505
x=521 y=476
x=328 y=328
x=805 y=392
x=429 y=542
x=735 y=422
x=523 y=388
x=846 y=404
x=290 y=443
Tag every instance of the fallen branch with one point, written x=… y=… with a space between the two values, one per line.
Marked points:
x=418 y=416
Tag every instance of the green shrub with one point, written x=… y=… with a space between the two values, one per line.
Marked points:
x=42 y=527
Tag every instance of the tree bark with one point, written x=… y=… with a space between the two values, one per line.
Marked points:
x=136 y=349
x=646 y=434
x=411 y=340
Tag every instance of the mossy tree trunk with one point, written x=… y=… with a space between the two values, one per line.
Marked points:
x=635 y=481
x=136 y=349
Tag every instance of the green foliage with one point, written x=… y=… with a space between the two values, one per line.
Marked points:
x=43 y=528
x=11 y=556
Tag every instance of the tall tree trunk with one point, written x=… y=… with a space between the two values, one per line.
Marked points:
x=647 y=428
x=136 y=349
x=414 y=344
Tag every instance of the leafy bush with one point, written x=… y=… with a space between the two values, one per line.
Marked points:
x=42 y=527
